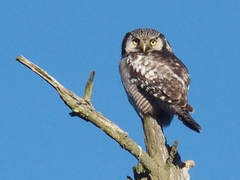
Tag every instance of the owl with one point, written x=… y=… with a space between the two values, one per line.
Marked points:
x=155 y=80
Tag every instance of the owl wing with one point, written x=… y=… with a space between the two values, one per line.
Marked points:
x=166 y=78
x=163 y=78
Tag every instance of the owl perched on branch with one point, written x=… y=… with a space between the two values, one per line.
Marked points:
x=155 y=80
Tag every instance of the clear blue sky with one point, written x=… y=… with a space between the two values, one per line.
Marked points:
x=39 y=140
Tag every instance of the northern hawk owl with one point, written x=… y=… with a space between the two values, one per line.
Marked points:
x=155 y=80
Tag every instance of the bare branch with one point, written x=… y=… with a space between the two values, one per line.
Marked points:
x=173 y=151
x=88 y=89
x=83 y=109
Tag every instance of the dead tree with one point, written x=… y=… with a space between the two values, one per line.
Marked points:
x=159 y=162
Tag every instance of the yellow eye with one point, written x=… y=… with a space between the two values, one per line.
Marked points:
x=135 y=41
x=153 y=42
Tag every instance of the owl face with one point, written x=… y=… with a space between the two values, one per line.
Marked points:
x=144 y=41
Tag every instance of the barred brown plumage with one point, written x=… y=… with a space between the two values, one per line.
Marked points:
x=155 y=80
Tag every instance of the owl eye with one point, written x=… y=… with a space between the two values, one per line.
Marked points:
x=135 y=41
x=153 y=42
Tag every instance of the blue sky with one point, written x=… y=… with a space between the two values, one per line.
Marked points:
x=39 y=140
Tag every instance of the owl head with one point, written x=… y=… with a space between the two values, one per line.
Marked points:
x=144 y=41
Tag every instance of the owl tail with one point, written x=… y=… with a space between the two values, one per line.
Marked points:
x=186 y=119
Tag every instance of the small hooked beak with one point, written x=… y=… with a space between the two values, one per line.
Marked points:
x=144 y=46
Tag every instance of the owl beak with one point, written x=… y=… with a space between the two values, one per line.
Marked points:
x=144 y=47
